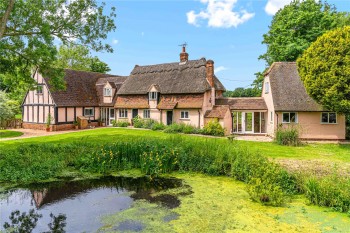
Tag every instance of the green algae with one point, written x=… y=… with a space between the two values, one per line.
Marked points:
x=221 y=204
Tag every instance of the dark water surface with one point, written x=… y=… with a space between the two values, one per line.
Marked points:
x=84 y=202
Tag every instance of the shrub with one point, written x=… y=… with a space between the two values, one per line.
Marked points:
x=137 y=122
x=120 y=123
x=214 y=128
x=180 y=128
x=287 y=135
x=158 y=126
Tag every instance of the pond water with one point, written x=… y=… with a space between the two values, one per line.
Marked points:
x=77 y=206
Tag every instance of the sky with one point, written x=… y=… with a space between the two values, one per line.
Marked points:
x=227 y=31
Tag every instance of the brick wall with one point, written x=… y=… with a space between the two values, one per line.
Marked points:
x=52 y=127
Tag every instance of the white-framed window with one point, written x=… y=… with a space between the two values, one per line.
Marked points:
x=289 y=117
x=107 y=91
x=267 y=87
x=153 y=95
x=123 y=113
x=39 y=89
x=329 y=118
x=184 y=115
x=88 y=112
x=146 y=113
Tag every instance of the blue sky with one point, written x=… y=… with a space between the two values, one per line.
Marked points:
x=226 y=31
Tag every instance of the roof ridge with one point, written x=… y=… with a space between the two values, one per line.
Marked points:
x=170 y=63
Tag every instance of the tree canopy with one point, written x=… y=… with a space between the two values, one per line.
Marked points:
x=78 y=57
x=30 y=30
x=243 y=92
x=296 y=26
x=325 y=70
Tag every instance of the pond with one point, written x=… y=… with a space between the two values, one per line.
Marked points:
x=78 y=206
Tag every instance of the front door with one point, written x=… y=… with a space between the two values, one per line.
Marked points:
x=135 y=112
x=111 y=115
x=169 y=117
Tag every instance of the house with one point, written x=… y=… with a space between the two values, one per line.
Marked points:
x=288 y=104
x=187 y=92
x=87 y=94
x=180 y=92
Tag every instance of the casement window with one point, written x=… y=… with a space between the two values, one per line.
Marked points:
x=123 y=113
x=153 y=95
x=289 y=117
x=329 y=118
x=107 y=92
x=267 y=87
x=39 y=89
x=146 y=113
x=184 y=115
x=88 y=112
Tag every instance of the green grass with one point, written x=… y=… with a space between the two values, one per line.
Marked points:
x=331 y=152
x=9 y=134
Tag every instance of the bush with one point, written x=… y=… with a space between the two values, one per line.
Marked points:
x=288 y=136
x=138 y=122
x=120 y=123
x=158 y=126
x=180 y=128
x=214 y=128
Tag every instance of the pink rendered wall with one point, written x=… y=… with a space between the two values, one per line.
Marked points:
x=310 y=126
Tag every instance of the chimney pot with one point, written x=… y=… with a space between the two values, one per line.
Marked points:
x=183 y=54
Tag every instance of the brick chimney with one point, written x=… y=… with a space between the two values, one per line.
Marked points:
x=210 y=72
x=183 y=54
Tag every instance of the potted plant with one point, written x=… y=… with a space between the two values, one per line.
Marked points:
x=48 y=122
x=76 y=125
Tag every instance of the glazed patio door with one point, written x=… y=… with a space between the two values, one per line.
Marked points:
x=248 y=122
x=111 y=115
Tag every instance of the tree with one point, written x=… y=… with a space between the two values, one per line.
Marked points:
x=325 y=70
x=243 y=92
x=29 y=30
x=296 y=26
x=7 y=107
x=78 y=57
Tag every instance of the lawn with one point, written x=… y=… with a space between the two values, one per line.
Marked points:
x=329 y=152
x=9 y=134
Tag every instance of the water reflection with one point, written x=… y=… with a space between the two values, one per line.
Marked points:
x=77 y=206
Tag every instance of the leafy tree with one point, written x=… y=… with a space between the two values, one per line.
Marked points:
x=7 y=107
x=243 y=92
x=29 y=28
x=325 y=70
x=296 y=26
x=78 y=57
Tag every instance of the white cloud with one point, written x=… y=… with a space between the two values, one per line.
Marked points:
x=220 y=68
x=220 y=14
x=272 y=6
x=115 y=41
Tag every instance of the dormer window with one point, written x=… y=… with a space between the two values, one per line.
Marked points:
x=107 y=91
x=153 y=95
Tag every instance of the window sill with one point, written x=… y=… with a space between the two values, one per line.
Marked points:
x=289 y=122
x=122 y=117
x=185 y=119
x=322 y=123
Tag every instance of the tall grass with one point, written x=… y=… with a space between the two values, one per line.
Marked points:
x=287 y=135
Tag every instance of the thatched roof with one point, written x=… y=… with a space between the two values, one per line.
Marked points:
x=287 y=89
x=80 y=88
x=181 y=101
x=217 y=112
x=171 y=78
x=243 y=103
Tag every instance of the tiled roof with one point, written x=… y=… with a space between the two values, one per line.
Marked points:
x=287 y=89
x=246 y=103
x=217 y=112
x=80 y=88
x=132 y=101
x=181 y=101
x=115 y=82
x=171 y=78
